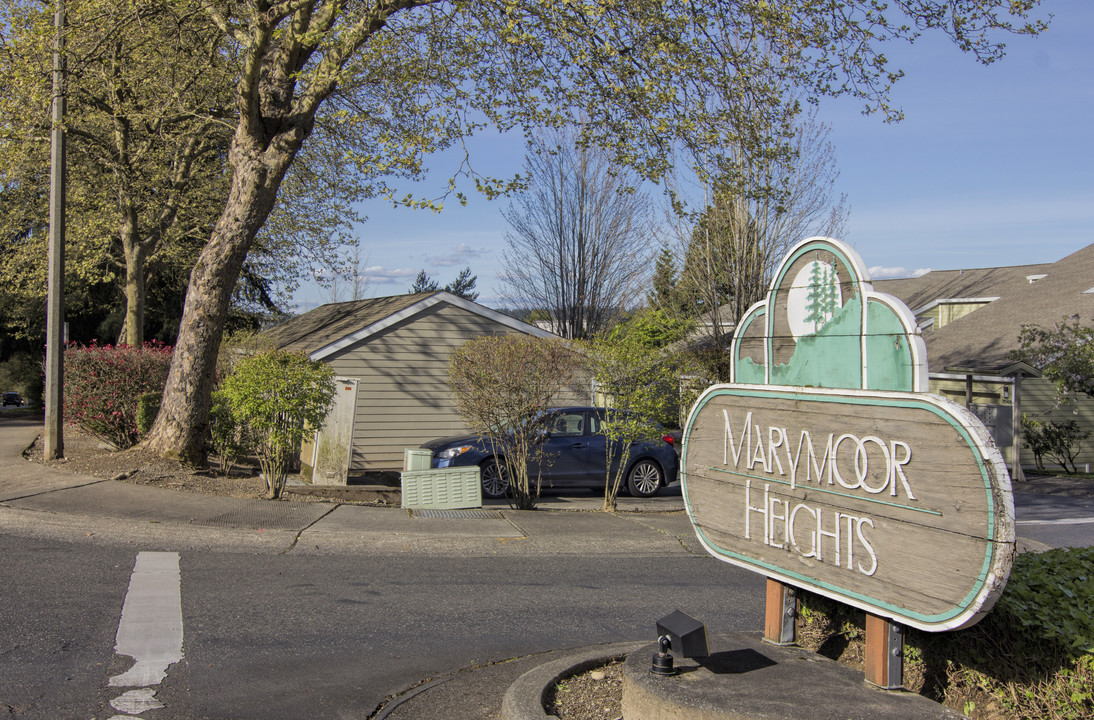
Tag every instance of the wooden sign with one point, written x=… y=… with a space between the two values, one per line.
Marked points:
x=845 y=477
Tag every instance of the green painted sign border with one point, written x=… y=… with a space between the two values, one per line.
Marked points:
x=872 y=398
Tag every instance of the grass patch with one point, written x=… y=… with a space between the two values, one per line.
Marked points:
x=1030 y=658
x=22 y=413
x=1049 y=473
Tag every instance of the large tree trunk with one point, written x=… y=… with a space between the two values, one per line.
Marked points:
x=180 y=427
x=134 y=294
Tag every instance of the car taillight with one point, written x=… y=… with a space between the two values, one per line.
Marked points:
x=668 y=439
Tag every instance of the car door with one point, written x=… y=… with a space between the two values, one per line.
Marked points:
x=597 y=471
x=598 y=456
x=565 y=449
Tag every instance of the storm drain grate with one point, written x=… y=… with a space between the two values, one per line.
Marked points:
x=437 y=514
x=267 y=517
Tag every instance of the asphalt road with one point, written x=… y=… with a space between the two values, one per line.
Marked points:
x=1055 y=520
x=326 y=618
x=299 y=636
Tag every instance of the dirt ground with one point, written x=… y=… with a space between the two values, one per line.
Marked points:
x=86 y=455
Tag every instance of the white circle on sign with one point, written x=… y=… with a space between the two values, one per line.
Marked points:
x=813 y=298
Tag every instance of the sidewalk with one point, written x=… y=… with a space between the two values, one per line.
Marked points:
x=44 y=501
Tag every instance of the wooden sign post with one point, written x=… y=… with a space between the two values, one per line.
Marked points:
x=825 y=464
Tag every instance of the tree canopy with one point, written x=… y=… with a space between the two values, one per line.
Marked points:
x=386 y=83
x=151 y=108
x=1064 y=353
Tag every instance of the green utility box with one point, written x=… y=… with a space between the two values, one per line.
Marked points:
x=417 y=459
x=442 y=489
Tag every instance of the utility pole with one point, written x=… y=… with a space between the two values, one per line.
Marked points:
x=53 y=437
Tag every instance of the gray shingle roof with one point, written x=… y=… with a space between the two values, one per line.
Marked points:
x=984 y=338
x=329 y=328
x=317 y=328
x=954 y=284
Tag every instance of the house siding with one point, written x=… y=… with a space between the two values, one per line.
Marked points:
x=1038 y=401
x=945 y=313
x=403 y=396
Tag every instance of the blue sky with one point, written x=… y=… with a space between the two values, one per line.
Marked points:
x=991 y=166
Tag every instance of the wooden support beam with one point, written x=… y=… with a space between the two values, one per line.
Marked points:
x=780 y=613
x=884 y=653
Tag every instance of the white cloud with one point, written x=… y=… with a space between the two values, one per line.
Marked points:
x=462 y=255
x=880 y=272
x=379 y=275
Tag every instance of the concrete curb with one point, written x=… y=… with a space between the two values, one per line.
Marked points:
x=746 y=678
x=524 y=698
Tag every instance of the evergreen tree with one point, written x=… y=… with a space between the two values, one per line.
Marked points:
x=815 y=297
x=831 y=302
x=424 y=284
x=464 y=285
x=663 y=293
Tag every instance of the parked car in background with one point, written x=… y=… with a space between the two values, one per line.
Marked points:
x=574 y=451
x=13 y=398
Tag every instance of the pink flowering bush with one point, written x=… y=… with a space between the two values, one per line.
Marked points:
x=103 y=384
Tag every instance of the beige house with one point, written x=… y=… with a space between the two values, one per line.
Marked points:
x=970 y=321
x=392 y=355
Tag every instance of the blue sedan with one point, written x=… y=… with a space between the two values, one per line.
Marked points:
x=574 y=455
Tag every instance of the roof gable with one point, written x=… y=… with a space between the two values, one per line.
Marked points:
x=985 y=338
x=942 y=285
x=330 y=328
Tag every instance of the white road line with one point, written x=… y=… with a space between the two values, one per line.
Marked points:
x=150 y=630
x=1063 y=521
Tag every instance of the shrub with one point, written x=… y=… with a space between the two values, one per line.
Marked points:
x=277 y=397
x=500 y=386
x=148 y=407
x=103 y=384
x=639 y=382
x=227 y=436
x=1030 y=658
x=1033 y=432
x=1061 y=442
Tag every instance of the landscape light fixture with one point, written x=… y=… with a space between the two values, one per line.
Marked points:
x=681 y=634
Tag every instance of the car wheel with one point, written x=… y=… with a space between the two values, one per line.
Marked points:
x=645 y=478
x=495 y=478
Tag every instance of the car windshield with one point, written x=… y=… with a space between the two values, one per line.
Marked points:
x=533 y=422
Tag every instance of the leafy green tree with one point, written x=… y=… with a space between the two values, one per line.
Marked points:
x=151 y=105
x=501 y=385
x=390 y=82
x=652 y=329
x=277 y=397
x=147 y=93
x=640 y=387
x=1064 y=353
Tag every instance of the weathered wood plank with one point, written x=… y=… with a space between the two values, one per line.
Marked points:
x=882 y=500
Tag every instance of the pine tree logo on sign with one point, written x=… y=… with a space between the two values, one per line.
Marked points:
x=814 y=298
